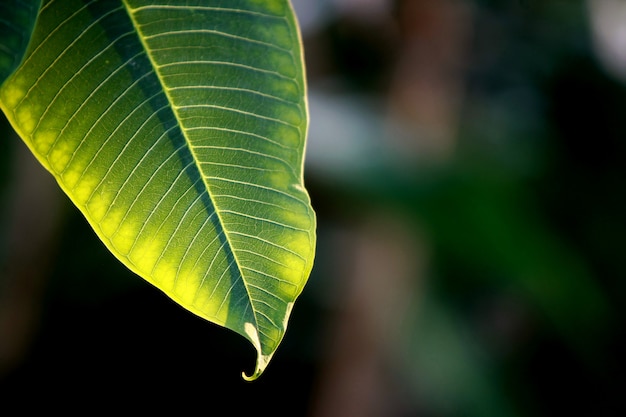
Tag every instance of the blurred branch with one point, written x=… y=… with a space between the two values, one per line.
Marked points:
x=29 y=240
x=382 y=263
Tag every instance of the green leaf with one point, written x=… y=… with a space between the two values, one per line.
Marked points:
x=17 y=19
x=179 y=132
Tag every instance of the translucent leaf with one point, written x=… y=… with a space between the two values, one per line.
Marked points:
x=179 y=132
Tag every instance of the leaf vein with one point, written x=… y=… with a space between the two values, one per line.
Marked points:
x=235 y=110
x=224 y=63
x=219 y=33
x=270 y=243
x=207 y=8
x=265 y=220
x=239 y=132
x=250 y=184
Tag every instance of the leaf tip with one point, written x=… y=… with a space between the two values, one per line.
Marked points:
x=262 y=360
x=261 y=363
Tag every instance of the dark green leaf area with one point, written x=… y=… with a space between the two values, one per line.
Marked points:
x=17 y=19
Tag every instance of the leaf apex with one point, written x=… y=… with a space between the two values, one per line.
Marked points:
x=262 y=360
x=261 y=363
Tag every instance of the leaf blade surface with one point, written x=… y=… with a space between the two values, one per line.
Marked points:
x=179 y=132
x=17 y=18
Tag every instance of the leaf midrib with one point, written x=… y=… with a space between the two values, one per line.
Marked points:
x=196 y=160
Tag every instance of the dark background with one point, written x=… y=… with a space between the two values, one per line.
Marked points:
x=466 y=163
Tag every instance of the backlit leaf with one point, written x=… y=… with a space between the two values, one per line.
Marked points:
x=178 y=129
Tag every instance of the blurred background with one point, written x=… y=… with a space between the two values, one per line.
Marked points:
x=466 y=161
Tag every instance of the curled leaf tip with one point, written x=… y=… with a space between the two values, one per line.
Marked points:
x=252 y=377
x=261 y=363
x=262 y=360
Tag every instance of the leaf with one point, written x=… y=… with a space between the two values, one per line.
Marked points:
x=179 y=132
x=17 y=19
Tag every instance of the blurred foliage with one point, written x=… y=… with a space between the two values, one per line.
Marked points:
x=525 y=220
